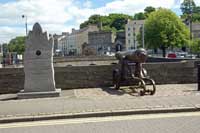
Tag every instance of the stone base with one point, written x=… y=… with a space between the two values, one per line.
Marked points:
x=30 y=95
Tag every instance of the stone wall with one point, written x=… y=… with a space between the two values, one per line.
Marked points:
x=113 y=59
x=83 y=58
x=12 y=79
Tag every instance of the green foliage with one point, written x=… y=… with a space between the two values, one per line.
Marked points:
x=196 y=9
x=148 y=10
x=5 y=47
x=139 y=16
x=94 y=19
x=115 y=21
x=190 y=11
x=164 y=29
x=187 y=6
x=112 y=22
x=142 y=16
x=17 y=45
x=118 y=21
x=196 y=17
x=195 y=47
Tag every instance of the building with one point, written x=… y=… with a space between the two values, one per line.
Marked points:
x=120 y=41
x=82 y=36
x=77 y=38
x=100 y=42
x=196 y=30
x=71 y=44
x=55 y=42
x=58 y=41
x=62 y=43
x=1 y=53
x=133 y=27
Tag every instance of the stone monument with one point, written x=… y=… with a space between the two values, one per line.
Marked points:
x=38 y=66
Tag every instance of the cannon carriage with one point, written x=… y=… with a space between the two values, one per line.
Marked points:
x=132 y=72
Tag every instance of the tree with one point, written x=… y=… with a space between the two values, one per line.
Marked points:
x=187 y=7
x=139 y=16
x=164 y=29
x=118 y=21
x=196 y=17
x=17 y=45
x=112 y=22
x=94 y=19
x=145 y=14
x=148 y=10
x=190 y=11
x=5 y=47
x=195 y=47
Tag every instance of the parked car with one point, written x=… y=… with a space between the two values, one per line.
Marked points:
x=171 y=55
x=181 y=54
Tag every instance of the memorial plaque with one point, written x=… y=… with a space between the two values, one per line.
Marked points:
x=38 y=66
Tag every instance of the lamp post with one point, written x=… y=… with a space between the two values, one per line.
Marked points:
x=26 y=26
x=190 y=19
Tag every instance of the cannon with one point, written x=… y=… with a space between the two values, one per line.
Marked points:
x=132 y=71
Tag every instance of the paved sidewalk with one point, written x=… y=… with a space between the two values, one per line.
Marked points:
x=100 y=101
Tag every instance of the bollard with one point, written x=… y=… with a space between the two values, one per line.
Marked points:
x=198 y=76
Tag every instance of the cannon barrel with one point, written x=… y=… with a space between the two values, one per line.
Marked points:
x=122 y=54
x=139 y=55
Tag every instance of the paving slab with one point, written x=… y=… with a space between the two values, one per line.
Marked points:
x=100 y=102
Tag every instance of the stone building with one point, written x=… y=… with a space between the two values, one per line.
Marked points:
x=196 y=30
x=100 y=42
x=120 y=41
x=60 y=43
x=78 y=37
x=55 y=41
x=133 y=28
x=71 y=44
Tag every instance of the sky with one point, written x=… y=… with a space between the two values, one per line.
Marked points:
x=57 y=16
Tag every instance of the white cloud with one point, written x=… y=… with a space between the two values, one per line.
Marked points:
x=56 y=16
x=51 y=13
x=131 y=7
x=87 y=4
x=9 y=32
x=197 y=2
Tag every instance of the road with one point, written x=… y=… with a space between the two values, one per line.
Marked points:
x=149 y=123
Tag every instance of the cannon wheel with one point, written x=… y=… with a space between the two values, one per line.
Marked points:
x=116 y=79
x=152 y=82
x=141 y=85
x=154 y=87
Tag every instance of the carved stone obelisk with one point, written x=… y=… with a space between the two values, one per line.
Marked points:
x=38 y=66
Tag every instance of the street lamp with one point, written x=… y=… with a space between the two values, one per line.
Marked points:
x=190 y=19
x=24 y=16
